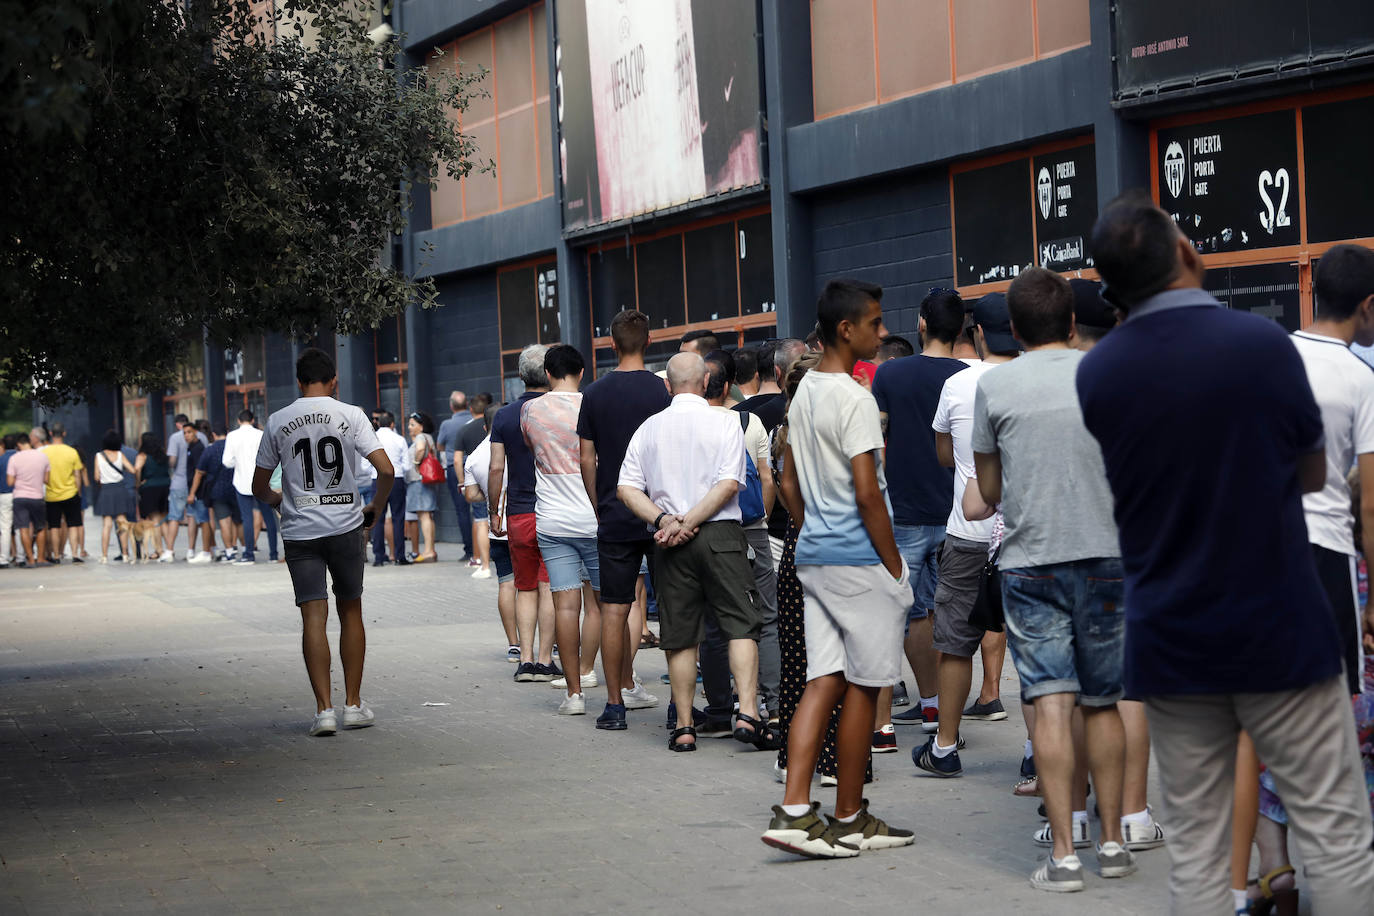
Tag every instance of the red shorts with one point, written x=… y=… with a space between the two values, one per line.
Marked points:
x=524 y=552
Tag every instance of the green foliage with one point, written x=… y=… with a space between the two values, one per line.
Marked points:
x=182 y=169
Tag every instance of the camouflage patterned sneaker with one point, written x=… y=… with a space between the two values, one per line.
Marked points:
x=869 y=832
x=807 y=835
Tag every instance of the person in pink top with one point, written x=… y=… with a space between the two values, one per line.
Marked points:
x=564 y=519
x=28 y=473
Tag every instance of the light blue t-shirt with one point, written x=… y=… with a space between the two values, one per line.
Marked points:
x=832 y=420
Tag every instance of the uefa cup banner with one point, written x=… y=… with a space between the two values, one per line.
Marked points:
x=658 y=104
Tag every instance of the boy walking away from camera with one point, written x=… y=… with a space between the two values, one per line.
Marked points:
x=317 y=441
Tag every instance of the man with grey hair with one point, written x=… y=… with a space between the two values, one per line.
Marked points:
x=512 y=514
x=447 y=440
x=682 y=474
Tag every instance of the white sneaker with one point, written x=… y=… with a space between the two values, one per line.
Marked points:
x=167 y=557
x=326 y=723
x=638 y=698
x=574 y=705
x=1114 y=861
x=359 y=716
x=200 y=559
x=779 y=773
x=588 y=680
x=829 y=782
x=1137 y=837
x=1044 y=837
x=482 y=573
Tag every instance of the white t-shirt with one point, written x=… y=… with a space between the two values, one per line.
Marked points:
x=832 y=420
x=561 y=506
x=1344 y=388
x=476 y=473
x=954 y=415
x=395 y=448
x=678 y=454
x=316 y=441
x=241 y=454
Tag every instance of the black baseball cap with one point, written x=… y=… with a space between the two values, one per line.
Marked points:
x=1089 y=308
x=991 y=314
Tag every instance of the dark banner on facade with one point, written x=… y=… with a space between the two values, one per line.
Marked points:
x=658 y=104
x=1232 y=185
x=1167 y=45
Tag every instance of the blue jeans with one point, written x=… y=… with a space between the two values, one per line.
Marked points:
x=396 y=502
x=570 y=562
x=460 y=504
x=1066 y=628
x=269 y=521
x=919 y=545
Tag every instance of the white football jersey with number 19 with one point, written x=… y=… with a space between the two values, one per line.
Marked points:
x=317 y=442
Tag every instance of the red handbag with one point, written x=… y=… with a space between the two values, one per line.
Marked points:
x=431 y=471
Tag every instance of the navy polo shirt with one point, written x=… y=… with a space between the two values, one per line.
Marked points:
x=1202 y=414
x=505 y=429
x=908 y=391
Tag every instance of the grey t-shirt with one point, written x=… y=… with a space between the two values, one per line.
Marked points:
x=317 y=442
x=1056 y=503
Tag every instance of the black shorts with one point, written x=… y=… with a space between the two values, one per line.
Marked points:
x=152 y=501
x=227 y=508
x=341 y=554
x=620 y=563
x=30 y=513
x=1337 y=574
x=68 y=510
x=709 y=575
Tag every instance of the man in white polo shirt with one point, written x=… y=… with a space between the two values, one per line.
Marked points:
x=240 y=453
x=682 y=474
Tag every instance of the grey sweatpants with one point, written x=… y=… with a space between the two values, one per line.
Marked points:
x=766 y=581
x=1307 y=740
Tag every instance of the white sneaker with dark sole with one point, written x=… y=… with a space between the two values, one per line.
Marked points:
x=1137 y=837
x=1063 y=878
x=359 y=716
x=326 y=723
x=1045 y=837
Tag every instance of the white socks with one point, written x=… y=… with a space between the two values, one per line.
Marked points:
x=930 y=702
x=1029 y=751
x=795 y=810
x=847 y=820
x=942 y=752
x=1139 y=819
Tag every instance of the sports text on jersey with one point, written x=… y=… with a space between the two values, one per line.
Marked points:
x=307 y=419
x=328 y=499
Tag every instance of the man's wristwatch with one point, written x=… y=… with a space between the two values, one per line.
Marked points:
x=658 y=520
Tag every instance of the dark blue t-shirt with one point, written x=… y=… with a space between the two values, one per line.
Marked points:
x=217 y=485
x=505 y=429
x=1202 y=414
x=613 y=407
x=4 y=471
x=908 y=391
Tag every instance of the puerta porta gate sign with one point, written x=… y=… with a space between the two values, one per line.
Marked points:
x=1065 y=206
x=1232 y=185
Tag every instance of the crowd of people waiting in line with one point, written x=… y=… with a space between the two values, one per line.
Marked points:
x=1158 y=504
x=1143 y=495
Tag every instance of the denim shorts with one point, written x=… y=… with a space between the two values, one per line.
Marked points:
x=480 y=513
x=1066 y=628
x=919 y=545
x=199 y=511
x=176 y=504
x=570 y=562
x=500 y=558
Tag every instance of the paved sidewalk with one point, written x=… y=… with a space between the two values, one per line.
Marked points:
x=155 y=759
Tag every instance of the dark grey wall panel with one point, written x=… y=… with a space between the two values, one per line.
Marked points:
x=281 y=373
x=460 y=346
x=508 y=235
x=894 y=233
x=429 y=22
x=1010 y=108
